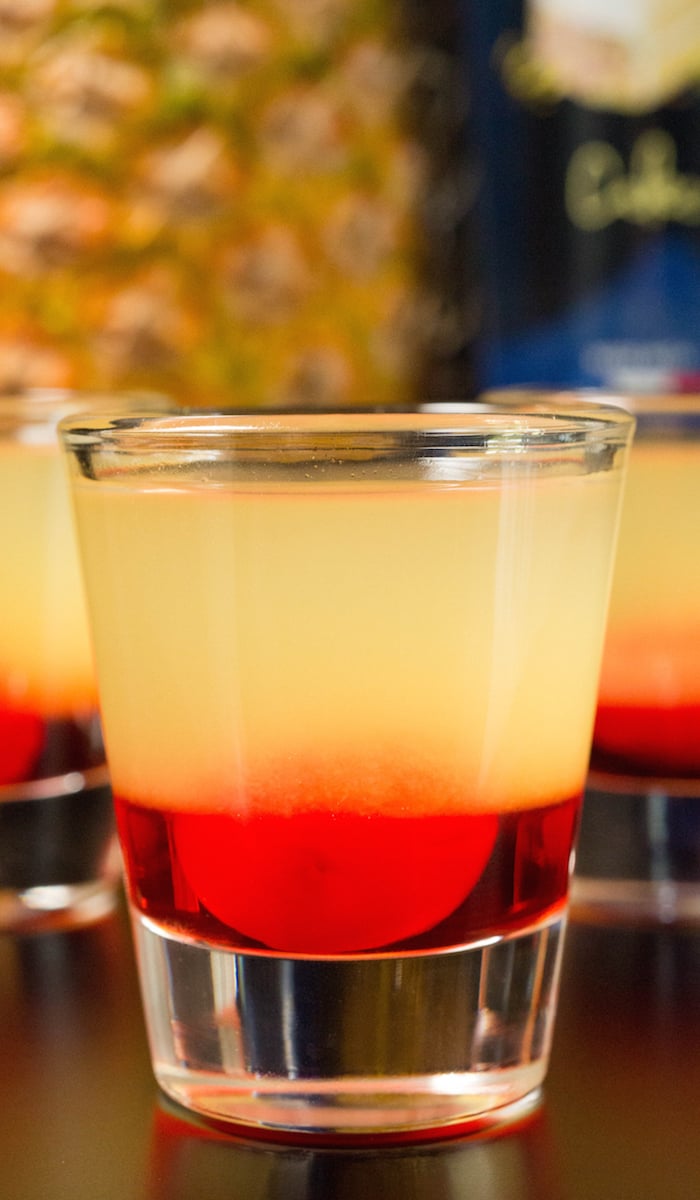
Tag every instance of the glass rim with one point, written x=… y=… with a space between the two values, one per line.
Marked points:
x=642 y=405
x=45 y=407
x=68 y=783
x=476 y=426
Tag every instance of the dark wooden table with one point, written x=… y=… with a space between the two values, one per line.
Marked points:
x=81 y=1119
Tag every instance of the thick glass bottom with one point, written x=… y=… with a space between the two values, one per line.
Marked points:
x=351 y=1046
x=60 y=865
x=54 y=907
x=638 y=857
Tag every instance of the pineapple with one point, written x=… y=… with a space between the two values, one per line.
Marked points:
x=224 y=200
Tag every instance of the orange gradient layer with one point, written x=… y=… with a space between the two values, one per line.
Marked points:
x=45 y=658
x=277 y=640
x=649 y=704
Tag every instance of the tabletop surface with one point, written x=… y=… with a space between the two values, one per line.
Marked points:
x=82 y=1119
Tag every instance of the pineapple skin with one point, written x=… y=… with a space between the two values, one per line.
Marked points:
x=229 y=201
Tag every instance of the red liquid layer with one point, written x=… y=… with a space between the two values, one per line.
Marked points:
x=32 y=747
x=320 y=882
x=638 y=740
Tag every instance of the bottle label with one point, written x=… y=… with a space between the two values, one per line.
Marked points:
x=586 y=122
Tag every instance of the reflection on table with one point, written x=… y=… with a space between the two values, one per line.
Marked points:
x=82 y=1119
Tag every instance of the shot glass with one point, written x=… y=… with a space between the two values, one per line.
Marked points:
x=639 y=851
x=59 y=856
x=348 y=667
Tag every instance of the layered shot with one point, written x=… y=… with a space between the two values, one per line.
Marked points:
x=639 y=856
x=59 y=864
x=348 y=671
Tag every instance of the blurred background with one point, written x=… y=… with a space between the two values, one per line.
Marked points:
x=252 y=203
x=348 y=202
x=585 y=126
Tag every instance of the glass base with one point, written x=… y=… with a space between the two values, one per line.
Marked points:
x=351 y=1046
x=638 y=857
x=60 y=865
x=55 y=907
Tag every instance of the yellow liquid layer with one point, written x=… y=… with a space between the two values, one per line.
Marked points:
x=652 y=651
x=45 y=657
x=255 y=647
